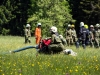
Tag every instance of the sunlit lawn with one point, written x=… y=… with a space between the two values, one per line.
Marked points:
x=29 y=62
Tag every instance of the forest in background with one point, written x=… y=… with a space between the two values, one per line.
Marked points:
x=15 y=14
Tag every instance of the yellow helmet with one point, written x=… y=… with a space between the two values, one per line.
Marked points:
x=86 y=26
x=72 y=25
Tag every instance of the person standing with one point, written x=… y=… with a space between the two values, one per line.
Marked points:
x=74 y=36
x=82 y=34
x=38 y=33
x=27 y=33
x=87 y=41
x=97 y=35
x=69 y=35
x=91 y=36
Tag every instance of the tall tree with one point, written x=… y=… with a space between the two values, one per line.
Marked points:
x=5 y=13
x=13 y=15
x=21 y=13
x=87 y=11
x=51 y=12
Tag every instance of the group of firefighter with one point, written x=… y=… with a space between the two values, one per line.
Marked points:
x=88 y=35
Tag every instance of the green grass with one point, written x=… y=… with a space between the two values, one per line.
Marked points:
x=29 y=62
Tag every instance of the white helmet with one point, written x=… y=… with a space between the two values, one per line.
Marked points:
x=69 y=25
x=81 y=24
x=91 y=26
x=28 y=25
x=97 y=24
x=53 y=29
x=39 y=24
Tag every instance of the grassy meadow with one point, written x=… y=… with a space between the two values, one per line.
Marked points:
x=29 y=62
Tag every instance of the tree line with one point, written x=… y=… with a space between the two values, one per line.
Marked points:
x=15 y=14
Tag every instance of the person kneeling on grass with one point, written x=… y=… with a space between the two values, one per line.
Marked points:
x=56 y=45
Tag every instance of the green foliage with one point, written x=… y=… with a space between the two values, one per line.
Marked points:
x=5 y=15
x=49 y=13
x=15 y=14
x=5 y=31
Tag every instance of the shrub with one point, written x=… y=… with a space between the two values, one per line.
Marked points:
x=5 y=31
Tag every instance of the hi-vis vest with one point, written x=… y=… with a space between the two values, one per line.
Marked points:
x=38 y=32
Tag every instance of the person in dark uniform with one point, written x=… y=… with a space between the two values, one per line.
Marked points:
x=87 y=35
x=82 y=33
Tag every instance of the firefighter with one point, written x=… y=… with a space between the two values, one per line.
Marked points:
x=82 y=33
x=69 y=35
x=27 y=33
x=74 y=36
x=56 y=43
x=97 y=35
x=91 y=36
x=38 y=33
x=87 y=34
